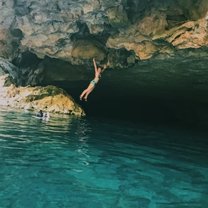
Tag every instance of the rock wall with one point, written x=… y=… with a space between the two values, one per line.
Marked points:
x=49 y=99
x=160 y=44
x=76 y=31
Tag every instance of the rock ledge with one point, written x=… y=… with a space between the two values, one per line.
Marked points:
x=50 y=98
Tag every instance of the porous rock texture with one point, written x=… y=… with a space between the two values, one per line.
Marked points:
x=162 y=44
x=49 y=99
x=79 y=30
x=119 y=33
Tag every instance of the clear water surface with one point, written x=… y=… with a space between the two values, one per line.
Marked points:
x=89 y=163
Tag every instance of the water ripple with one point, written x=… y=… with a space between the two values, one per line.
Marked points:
x=69 y=162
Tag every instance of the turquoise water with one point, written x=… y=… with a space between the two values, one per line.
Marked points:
x=89 y=163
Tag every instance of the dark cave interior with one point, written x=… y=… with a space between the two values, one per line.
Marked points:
x=159 y=91
x=172 y=108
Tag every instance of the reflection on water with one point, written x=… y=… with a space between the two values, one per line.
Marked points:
x=82 y=132
x=70 y=162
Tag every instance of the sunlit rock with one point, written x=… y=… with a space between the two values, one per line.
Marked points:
x=50 y=98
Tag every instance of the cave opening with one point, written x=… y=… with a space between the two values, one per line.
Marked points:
x=172 y=91
x=151 y=106
x=169 y=92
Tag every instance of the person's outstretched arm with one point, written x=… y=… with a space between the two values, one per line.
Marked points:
x=95 y=66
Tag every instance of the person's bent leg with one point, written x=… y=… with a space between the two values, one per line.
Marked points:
x=83 y=93
x=87 y=93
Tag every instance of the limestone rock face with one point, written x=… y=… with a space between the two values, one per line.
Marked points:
x=79 y=30
x=122 y=33
x=50 y=99
x=150 y=36
x=7 y=41
x=159 y=44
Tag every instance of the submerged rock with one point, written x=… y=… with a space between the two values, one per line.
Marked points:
x=50 y=99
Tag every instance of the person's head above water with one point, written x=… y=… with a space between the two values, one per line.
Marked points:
x=40 y=113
